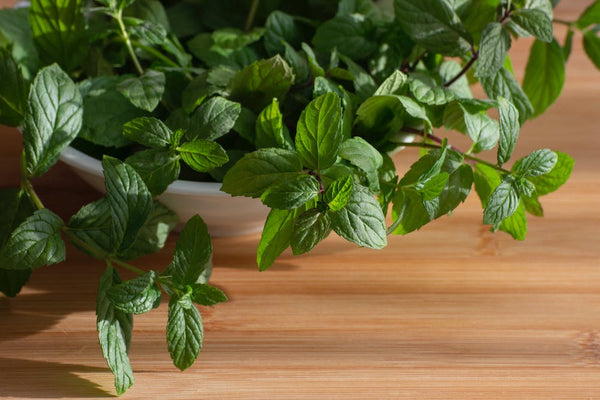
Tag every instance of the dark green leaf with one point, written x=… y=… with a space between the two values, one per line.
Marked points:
x=114 y=332
x=495 y=42
x=53 y=120
x=92 y=225
x=213 y=119
x=15 y=29
x=276 y=236
x=145 y=91
x=203 y=155
x=509 y=129
x=351 y=35
x=311 y=227
x=233 y=39
x=270 y=131
x=457 y=189
x=434 y=25
x=545 y=75
x=193 y=253
x=158 y=168
x=138 y=295
x=34 y=243
x=478 y=15
x=58 y=29
x=13 y=91
x=319 y=133
x=298 y=62
x=364 y=84
x=148 y=131
x=338 y=193
x=129 y=200
x=184 y=333
x=279 y=28
x=291 y=194
x=257 y=84
x=536 y=22
x=433 y=187
x=504 y=84
x=590 y=16
x=408 y=211
x=361 y=154
x=361 y=221
x=591 y=45
x=206 y=295
x=313 y=64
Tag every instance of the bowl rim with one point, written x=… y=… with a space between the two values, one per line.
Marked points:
x=79 y=160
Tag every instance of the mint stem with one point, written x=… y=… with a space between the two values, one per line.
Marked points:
x=119 y=17
x=251 y=15
x=463 y=71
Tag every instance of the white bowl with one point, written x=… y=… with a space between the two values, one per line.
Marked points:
x=224 y=215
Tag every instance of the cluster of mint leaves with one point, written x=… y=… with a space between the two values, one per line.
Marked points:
x=296 y=103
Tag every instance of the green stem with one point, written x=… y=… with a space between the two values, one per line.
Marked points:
x=251 y=15
x=129 y=267
x=563 y=22
x=28 y=187
x=119 y=17
x=156 y=54
x=468 y=65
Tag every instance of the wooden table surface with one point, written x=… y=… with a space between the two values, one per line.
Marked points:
x=449 y=312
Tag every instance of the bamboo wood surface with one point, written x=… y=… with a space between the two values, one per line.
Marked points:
x=449 y=312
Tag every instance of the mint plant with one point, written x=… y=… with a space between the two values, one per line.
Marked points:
x=297 y=103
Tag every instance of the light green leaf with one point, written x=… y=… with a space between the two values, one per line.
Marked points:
x=276 y=236
x=53 y=120
x=114 y=332
x=433 y=187
x=495 y=42
x=129 y=200
x=483 y=130
x=504 y=84
x=148 y=131
x=338 y=193
x=58 y=30
x=590 y=16
x=291 y=194
x=313 y=64
x=184 y=333
x=478 y=15
x=34 y=243
x=509 y=129
x=361 y=221
x=558 y=176
x=351 y=35
x=434 y=25
x=544 y=75
x=539 y=162
x=257 y=84
x=535 y=22
x=256 y=171
x=138 y=295
x=364 y=156
x=270 y=131
x=427 y=91
x=502 y=203
x=145 y=91
x=394 y=84
x=319 y=133
x=13 y=91
x=193 y=253
x=213 y=119
x=203 y=155
x=206 y=295
x=158 y=168
x=311 y=227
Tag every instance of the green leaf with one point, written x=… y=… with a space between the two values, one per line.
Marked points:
x=502 y=203
x=129 y=200
x=509 y=129
x=270 y=131
x=590 y=16
x=12 y=281
x=53 y=119
x=148 y=131
x=494 y=46
x=483 y=130
x=114 y=332
x=319 y=133
x=206 y=295
x=213 y=119
x=537 y=163
x=15 y=29
x=429 y=92
x=13 y=91
x=364 y=84
x=535 y=22
x=558 y=176
x=393 y=84
x=279 y=29
x=232 y=39
x=158 y=168
x=433 y=187
x=351 y=35
x=298 y=62
x=137 y=296
x=256 y=171
x=34 y=243
x=291 y=194
x=193 y=253
x=92 y=225
x=203 y=155
x=58 y=30
x=516 y=224
x=434 y=25
x=457 y=189
x=591 y=45
x=184 y=333
x=408 y=211
x=313 y=64
x=361 y=221
x=504 y=84
x=545 y=75
x=144 y=91
x=105 y=111
x=311 y=227
x=257 y=84
x=338 y=193
x=361 y=154
x=276 y=236
x=478 y=15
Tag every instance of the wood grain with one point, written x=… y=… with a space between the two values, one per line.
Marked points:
x=449 y=312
